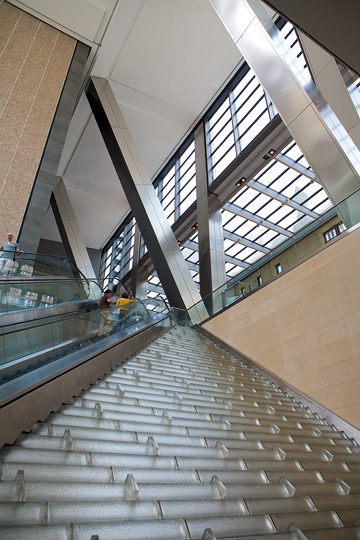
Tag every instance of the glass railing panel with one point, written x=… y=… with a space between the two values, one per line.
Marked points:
x=157 y=305
x=37 y=265
x=24 y=346
x=181 y=316
x=302 y=245
x=37 y=293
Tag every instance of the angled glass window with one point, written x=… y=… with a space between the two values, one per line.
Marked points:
x=119 y=254
x=176 y=185
x=292 y=52
x=239 y=115
x=282 y=199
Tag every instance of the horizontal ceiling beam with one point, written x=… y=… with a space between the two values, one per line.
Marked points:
x=233 y=208
x=281 y=198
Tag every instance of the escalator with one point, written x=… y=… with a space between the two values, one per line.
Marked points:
x=52 y=331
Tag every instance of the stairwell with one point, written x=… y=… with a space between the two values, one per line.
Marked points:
x=183 y=441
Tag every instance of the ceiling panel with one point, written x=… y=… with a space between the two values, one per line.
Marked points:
x=165 y=60
x=178 y=52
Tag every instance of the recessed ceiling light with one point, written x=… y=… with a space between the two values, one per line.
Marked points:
x=271 y=152
x=241 y=181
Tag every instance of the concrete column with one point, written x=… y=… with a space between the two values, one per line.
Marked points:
x=210 y=231
x=78 y=248
x=164 y=251
x=251 y=27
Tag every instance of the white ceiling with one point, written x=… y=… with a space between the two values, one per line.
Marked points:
x=166 y=60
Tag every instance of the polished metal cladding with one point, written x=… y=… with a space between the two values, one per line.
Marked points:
x=330 y=82
x=210 y=236
x=297 y=107
x=168 y=261
x=325 y=25
x=72 y=232
x=183 y=441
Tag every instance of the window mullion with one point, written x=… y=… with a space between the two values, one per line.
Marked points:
x=177 y=189
x=234 y=123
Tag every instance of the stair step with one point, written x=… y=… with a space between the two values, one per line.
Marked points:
x=182 y=438
x=63 y=491
x=68 y=473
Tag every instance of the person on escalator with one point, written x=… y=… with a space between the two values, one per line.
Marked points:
x=106 y=302
x=122 y=306
x=7 y=255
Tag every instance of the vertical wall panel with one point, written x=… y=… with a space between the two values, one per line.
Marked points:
x=34 y=61
x=305 y=327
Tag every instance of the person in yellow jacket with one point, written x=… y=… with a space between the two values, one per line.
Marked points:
x=122 y=306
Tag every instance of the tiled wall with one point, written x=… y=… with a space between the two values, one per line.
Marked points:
x=305 y=327
x=34 y=60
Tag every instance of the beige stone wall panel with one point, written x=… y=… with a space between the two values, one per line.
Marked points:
x=311 y=339
x=34 y=62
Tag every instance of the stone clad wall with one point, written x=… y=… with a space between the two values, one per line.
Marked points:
x=305 y=327
x=34 y=61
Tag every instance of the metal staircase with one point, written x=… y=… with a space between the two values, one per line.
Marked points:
x=182 y=442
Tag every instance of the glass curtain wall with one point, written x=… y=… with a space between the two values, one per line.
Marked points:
x=266 y=211
x=117 y=259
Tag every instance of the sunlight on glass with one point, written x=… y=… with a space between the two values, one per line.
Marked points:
x=221 y=166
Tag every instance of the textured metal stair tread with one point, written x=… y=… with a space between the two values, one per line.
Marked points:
x=307 y=520
x=253 y=429
x=66 y=491
x=196 y=526
x=138 y=448
x=229 y=435
x=337 y=502
x=153 y=407
x=21 y=514
x=349 y=515
x=153 y=529
x=273 y=465
x=299 y=477
x=76 y=511
x=354 y=467
x=194 y=447
x=78 y=473
x=348 y=533
x=39 y=532
x=238 y=401
x=343 y=534
x=220 y=400
x=350 y=477
x=31 y=455
x=196 y=380
x=115 y=412
x=127 y=436
x=105 y=423
x=79 y=511
x=234 y=507
x=325 y=438
x=228 y=464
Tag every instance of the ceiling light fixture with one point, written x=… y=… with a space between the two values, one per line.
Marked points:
x=195 y=226
x=241 y=181
x=271 y=152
